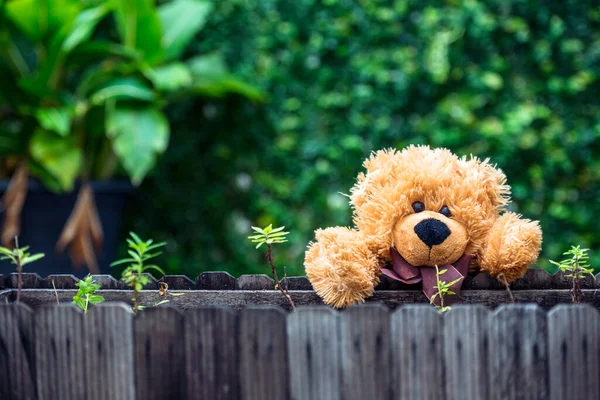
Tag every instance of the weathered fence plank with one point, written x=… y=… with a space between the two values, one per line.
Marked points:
x=216 y=281
x=518 y=353
x=109 y=352
x=212 y=354
x=108 y=282
x=159 y=351
x=574 y=352
x=417 y=353
x=255 y=282
x=296 y=283
x=263 y=354
x=179 y=282
x=314 y=353
x=365 y=352
x=466 y=353
x=28 y=280
x=59 y=281
x=60 y=353
x=17 y=362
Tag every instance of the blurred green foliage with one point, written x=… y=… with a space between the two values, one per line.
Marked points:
x=516 y=81
x=84 y=83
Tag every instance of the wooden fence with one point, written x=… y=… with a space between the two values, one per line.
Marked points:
x=262 y=353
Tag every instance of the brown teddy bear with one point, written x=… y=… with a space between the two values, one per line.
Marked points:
x=416 y=209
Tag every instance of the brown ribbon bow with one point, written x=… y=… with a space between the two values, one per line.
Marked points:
x=404 y=272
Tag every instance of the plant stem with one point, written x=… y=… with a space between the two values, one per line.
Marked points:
x=87 y=300
x=55 y=292
x=439 y=284
x=507 y=286
x=277 y=281
x=576 y=295
x=19 y=270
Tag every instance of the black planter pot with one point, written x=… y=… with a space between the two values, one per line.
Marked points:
x=44 y=216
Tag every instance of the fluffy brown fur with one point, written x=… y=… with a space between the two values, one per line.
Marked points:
x=343 y=264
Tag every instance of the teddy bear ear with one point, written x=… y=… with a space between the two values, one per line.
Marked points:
x=487 y=181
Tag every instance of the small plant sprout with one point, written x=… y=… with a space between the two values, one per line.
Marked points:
x=86 y=294
x=270 y=236
x=19 y=257
x=164 y=293
x=443 y=288
x=140 y=252
x=575 y=267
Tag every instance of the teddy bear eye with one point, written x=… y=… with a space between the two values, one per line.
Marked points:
x=418 y=206
x=445 y=211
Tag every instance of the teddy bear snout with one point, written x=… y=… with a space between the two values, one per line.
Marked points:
x=432 y=231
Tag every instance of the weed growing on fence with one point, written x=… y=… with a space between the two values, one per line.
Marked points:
x=86 y=294
x=19 y=257
x=133 y=275
x=164 y=293
x=575 y=267
x=270 y=236
x=443 y=288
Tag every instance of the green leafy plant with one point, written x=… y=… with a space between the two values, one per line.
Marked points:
x=443 y=289
x=84 y=89
x=270 y=236
x=575 y=267
x=133 y=275
x=19 y=257
x=86 y=294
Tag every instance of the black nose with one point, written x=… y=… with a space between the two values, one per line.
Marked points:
x=432 y=231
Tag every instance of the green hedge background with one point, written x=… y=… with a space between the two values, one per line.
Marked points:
x=516 y=81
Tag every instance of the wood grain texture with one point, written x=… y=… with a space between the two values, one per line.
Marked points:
x=159 y=351
x=60 y=353
x=255 y=282
x=179 y=282
x=366 y=369
x=216 y=281
x=263 y=367
x=108 y=282
x=574 y=352
x=17 y=353
x=466 y=353
x=534 y=279
x=29 y=280
x=211 y=345
x=417 y=353
x=238 y=299
x=296 y=283
x=518 y=353
x=61 y=281
x=314 y=346
x=109 y=350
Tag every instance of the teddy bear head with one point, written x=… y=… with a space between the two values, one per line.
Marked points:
x=430 y=205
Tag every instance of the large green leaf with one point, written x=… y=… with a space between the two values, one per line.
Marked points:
x=139 y=26
x=99 y=50
x=55 y=119
x=122 y=89
x=138 y=135
x=59 y=156
x=36 y=18
x=170 y=77
x=84 y=26
x=181 y=21
x=65 y=40
x=210 y=77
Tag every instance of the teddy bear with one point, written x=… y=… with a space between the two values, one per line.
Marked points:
x=415 y=210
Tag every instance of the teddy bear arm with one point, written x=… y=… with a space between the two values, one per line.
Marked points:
x=512 y=245
x=341 y=267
